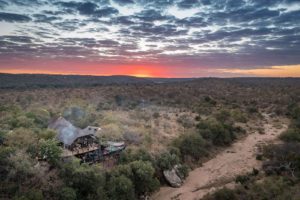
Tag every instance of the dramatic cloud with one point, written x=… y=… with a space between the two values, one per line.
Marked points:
x=11 y=17
x=195 y=37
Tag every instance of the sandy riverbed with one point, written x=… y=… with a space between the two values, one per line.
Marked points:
x=238 y=159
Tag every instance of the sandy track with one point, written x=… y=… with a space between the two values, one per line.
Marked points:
x=237 y=159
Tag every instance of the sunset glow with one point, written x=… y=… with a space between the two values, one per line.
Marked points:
x=274 y=71
x=174 y=38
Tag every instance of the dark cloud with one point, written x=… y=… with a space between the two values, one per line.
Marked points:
x=26 y=2
x=151 y=15
x=19 y=39
x=3 y=4
x=69 y=5
x=188 y=3
x=236 y=33
x=289 y=18
x=104 y=12
x=44 y=18
x=157 y=4
x=123 y=20
x=166 y=30
x=12 y=17
x=265 y=3
x=87 y=8
x=124 y=2
x=69 y=25
x=196 y=21
x=244 y=15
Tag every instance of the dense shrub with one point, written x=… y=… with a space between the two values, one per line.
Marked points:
x=120 y=187
x=40 y=117
x=224 y=194
x=270 y=188
x=142 y=175
x=50 y=151
x=30 y=195
x=291 y=135
x=239 y=116
x=183 y=171
x=21 y=138
x=87 y=181
x=166 y=160
x=192 y=145
x=218 y=133
x=67 y=193
x=283 y=159
x=130 y=155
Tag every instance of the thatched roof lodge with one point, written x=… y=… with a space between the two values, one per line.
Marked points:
x=67 y=133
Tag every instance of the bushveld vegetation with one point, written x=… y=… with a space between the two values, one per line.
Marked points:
x=281 y=165
x=163 y=125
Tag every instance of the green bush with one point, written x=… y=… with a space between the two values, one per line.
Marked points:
x=87 y=181
x=143 y=177
x=50 y=151
x=120 y=188
x=183 y=171
x=239 y=116
x=30 y=195
x=166 y=161
x=242 y=179
x=141 y=173
x=192 y=145
x=283 y=159
x=47 y=134
x=218 y=133
x=130 y=155
x=67 y=193
x=223 y=115
x=291 y=135
x=40 y=117
x=224 y=194
x=2 y=137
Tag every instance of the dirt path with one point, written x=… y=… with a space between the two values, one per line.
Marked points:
x=221 y=170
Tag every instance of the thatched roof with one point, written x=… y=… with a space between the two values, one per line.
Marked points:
x=67 y=133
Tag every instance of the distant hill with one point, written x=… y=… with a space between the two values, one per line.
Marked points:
x=42 y=80
x=14 y=81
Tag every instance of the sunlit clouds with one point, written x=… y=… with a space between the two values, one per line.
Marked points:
x=274 y=71
x=167 y=38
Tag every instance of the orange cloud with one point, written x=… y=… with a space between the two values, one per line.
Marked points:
x=138 y=71
x=274 y=71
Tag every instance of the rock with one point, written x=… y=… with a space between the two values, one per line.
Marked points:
x=178 y=172
x=172 y=178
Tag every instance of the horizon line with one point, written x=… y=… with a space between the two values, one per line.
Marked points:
x=145 y=77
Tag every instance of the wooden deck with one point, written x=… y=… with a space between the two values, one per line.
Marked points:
x=68 y=153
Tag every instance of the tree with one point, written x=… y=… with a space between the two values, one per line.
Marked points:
x=120 y=188
x=40 y=116
x=192 y=145
x=87 y=181
x=143 y=177
x=50 y=150
x=21 y=166
x=21 y=138
x=31 y=195
x=219 y=133
x=166 y=160
x=67 y=193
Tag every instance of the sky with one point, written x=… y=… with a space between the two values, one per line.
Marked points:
x=157 y=38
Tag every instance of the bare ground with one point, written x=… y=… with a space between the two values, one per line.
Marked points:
x=239 y=158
